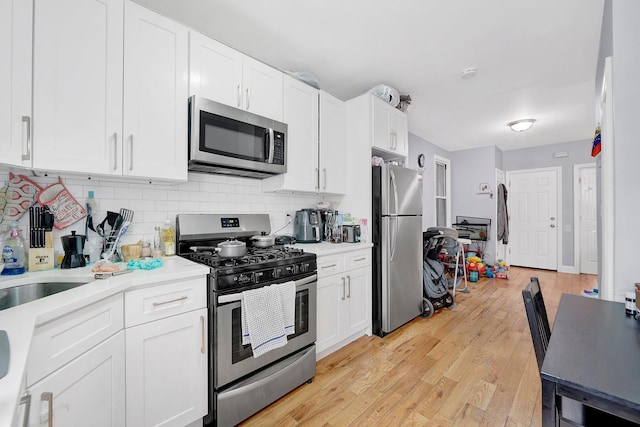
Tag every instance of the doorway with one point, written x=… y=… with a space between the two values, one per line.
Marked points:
x=585 y=211
x=535 y=217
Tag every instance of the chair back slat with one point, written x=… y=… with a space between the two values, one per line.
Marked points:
x=537 y=317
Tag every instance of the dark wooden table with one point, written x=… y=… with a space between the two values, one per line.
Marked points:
x=593 y=357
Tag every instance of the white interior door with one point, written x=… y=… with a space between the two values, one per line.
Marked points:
x=533 y=208
x=588 y=221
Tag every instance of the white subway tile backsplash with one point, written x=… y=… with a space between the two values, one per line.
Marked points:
x=153 y=203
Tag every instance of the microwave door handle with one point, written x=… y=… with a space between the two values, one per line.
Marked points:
x=271 y=146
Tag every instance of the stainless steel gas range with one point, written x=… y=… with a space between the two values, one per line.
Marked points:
x=239 y=383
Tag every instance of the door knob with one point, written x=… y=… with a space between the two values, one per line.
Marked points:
x=553 y=218
x=553 y=226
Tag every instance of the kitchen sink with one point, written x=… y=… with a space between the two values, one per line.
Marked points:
x=22 y=294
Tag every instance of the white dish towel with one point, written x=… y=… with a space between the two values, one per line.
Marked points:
x=268 y=315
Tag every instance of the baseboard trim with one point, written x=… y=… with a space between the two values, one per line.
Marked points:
x=568 y=269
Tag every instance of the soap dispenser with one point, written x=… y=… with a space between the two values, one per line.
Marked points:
x=13 y=251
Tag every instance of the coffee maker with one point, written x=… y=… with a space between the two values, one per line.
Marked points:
x=307 y=226
x=73 y=245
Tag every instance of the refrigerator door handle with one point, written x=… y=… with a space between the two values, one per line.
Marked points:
x=393 y=241
x=395 y=192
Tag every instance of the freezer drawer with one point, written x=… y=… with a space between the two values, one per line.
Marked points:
x=401 y=278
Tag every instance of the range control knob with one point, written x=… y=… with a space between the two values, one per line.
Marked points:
x=244 y=279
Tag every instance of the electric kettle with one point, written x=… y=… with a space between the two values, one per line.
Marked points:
x=307 y=226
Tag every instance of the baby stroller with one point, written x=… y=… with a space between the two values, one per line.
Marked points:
x=436 y=293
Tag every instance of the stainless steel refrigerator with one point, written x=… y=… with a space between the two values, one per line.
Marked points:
x=397 y=247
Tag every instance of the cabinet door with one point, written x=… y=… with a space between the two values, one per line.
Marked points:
x=77 y=85
x=331 y=299
x=301 y=114
x=358 y=285
x=89 y=391
x=215 y=70
x=333 y=139
x=398 y=131
x=15 y=82
x=262 y=92
x=155 y=95
x=380 y=124
x=167 y=371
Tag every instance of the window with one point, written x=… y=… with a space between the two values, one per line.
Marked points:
x=442 y=179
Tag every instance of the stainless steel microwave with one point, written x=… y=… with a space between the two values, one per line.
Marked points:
x=230 y=141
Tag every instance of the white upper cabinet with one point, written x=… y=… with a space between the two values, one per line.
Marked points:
x=389 y=128
x=222 y=74
x=77 y=85
x=83 y=65
x=15 y=82
x=155 y=95
x=301 y=116
x=333 y=138
x=215 y=70
x=316 y=139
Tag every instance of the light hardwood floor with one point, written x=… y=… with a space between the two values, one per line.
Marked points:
x=471 y=365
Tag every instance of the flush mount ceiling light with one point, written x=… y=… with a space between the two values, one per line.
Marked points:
x=521 y=125
x=469 y=73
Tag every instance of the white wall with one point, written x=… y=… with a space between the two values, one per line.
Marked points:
x=620 y=35
x=153 y=203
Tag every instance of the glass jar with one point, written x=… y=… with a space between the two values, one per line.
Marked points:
x=168 y=239
x=157 y=242
x=146 y=250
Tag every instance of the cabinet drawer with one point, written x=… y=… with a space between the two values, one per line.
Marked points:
x=357 y=259
x=331 y=264
x=62 y=340
x=158 y=302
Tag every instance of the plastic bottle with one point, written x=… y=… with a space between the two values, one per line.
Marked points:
x=157 y=242
x=13 y=252
x=168 y=239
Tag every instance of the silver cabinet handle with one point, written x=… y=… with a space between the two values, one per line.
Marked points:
x=48 y=396
x=328 y=266
x=182 y=298
x=131 y=153
x=349 y=285
x=317 y=178
x=248 y=98
x=360 y=259
x=343 y=289
x=26 y=143
x=26 y=400
x=115 y=151
x=202 y=341
x=324 y=187
x=239 y=96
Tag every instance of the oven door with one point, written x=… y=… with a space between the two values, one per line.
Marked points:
x=233 y=360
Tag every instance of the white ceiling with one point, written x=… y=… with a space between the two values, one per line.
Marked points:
x=535 y=58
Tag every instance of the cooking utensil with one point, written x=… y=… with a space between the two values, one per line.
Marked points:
x=263 y=240
x=228 y=249
x=126 y=214
x=112 y=246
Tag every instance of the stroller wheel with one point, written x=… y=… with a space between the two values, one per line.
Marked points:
x=448 y=300
x=427 y=307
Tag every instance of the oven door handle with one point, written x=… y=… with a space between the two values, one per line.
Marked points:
x=223 y=299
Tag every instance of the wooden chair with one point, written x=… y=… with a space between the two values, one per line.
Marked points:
x=538 y=321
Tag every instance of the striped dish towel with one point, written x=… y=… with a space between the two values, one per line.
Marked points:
x=262 y=319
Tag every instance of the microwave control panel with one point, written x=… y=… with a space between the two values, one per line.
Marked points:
x=278 y=148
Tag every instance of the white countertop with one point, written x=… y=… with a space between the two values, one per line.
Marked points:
x=20 y=321
x=326 y=248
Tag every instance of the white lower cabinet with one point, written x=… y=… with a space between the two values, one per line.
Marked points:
x=166 y=337
x=167 y=371
x=344 y=299
x=88 y=391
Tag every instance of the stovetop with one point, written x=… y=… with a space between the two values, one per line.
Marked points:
x=253 y=256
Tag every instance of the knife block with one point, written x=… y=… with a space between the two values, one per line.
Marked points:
x=42 y=258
